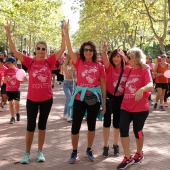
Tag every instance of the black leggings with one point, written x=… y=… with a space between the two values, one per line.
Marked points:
x=138 y=119
x=79 y=109
x=32 y=111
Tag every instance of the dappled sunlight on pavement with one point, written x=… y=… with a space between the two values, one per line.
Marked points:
x=57 y=147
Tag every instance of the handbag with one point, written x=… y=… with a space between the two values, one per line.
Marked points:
x=90 y=99
x=111 y=98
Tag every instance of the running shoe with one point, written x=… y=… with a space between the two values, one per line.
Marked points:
x=116 y=150
x=26 y=158
x=89 y=155
x=40 y=157
x=105 y=151
x=125 y=163
x=138 y=158
x=73 y=159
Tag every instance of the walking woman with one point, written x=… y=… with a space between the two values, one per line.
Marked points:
x=90 y=84
x=40 y=95
x=116 y=77
x=135 y=106
x=161 y=81
x=68 y=70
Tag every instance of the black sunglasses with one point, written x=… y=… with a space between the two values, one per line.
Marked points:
x=86 y=50
x=43 y=49
x=129 y=58
x=163 y=56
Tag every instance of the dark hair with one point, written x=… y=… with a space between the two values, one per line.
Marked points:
x=1 y=60
x=93 y=46
x=123 y=57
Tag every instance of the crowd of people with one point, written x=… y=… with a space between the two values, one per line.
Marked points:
x=114 y=86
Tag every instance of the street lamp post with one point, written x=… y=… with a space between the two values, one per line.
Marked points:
x=141 y=38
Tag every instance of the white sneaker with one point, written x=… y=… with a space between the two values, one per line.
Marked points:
x=65 y=116
x=1 y=109
x=69 y=119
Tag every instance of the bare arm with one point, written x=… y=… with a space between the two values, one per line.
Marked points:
x=155 y=69
x=17 y=54
x=59 y=53
x=103 y=89
x=68 y=43
x=104 y=55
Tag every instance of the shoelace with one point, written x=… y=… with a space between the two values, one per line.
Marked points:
x=124 y=160
x=136 y=156
x=73 y=154
x=90 y=152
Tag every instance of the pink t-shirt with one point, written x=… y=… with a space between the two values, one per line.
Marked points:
x=152 y=66
x=88 y=74
x=112 y=76
x=12 y=84
x=40 y=87
x=2 y=71
x=137 y=79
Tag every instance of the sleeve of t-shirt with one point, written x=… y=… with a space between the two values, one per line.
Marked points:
x=102 y=70
x=51 y=60
x=146 y=76
x=77 y=63
x=108 y=70
x=27 y=61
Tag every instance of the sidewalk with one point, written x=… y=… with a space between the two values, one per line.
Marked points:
x=58 y=146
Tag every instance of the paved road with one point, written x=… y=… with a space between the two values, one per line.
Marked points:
x=57 y=146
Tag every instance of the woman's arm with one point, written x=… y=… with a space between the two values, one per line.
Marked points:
x=139 y=93
x=103 y=89
x=17 y=54
x=68 y=43
x=104 y=55
x=59 y=53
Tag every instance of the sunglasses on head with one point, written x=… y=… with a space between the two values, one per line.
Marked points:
x=129 y=58
x=86 y=50
x=43 y=49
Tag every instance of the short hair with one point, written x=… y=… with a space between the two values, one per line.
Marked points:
x=1 y=60
x=41 y=42
x=93 y=46
x=138 y=55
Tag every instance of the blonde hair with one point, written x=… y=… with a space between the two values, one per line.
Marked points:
x=66 y=62
x=138 y=55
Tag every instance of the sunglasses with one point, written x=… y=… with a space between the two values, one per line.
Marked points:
x=86 y=50
x=129 y=58
x=168 y=57
x=43 y=49
x=163 y=56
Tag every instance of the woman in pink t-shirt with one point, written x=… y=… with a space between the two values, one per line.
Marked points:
x=114 y=66
x=90 y=78
x=135 y=106
x=40 y=95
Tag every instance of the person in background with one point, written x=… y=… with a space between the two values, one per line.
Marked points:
x=151 y=66
x=135 y=106
x=167 y=92
x=90 y=82
x=68 y=70
x=12 y=89
x=3 y=102
x=161 y=81
x=54 y=70
x=40 y=94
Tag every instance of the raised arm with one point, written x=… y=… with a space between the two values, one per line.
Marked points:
x=68 y=43
x=59 y=53
x=104 y=55
x=17 y=54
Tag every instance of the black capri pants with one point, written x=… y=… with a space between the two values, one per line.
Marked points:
x=32 y=111
x=79 y=109
x=112 y=106
x=138 y=119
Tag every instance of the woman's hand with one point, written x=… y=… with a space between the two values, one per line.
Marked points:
x=103 y=108
x=105 y=47
x=66 y=26
x=7 y=27
x=139 y=94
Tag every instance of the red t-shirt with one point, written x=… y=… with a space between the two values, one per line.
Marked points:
x=12 y=84
x=112 y=77
x=88 y=74
x=137 y=79
x=40 y=87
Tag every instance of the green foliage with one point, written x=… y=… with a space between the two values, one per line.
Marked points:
x=32 y=20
